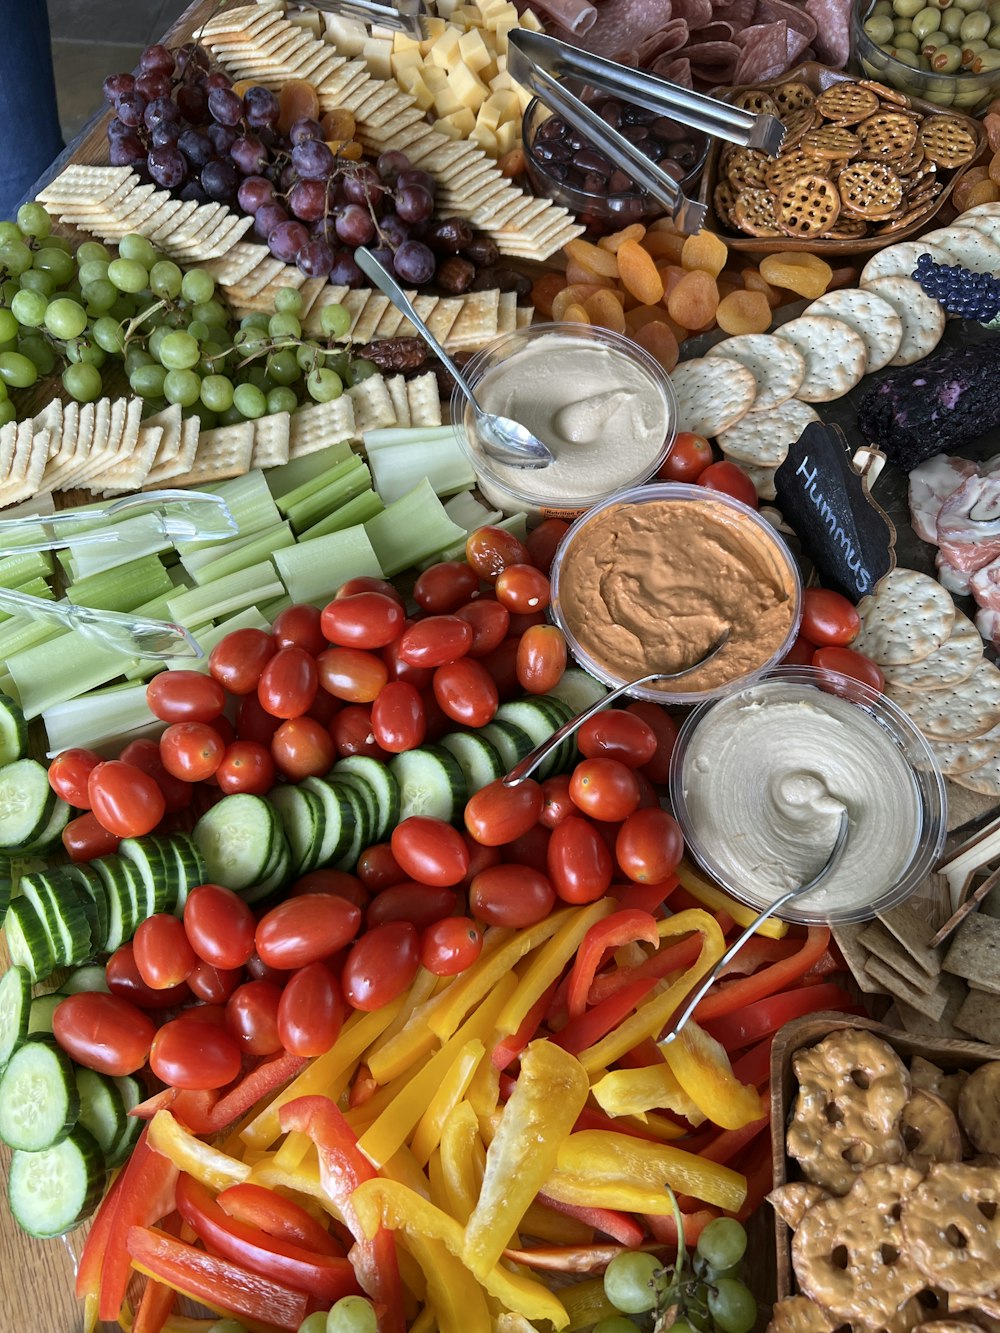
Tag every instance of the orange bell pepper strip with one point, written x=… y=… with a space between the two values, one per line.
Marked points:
x=777 y=977
x=597 y=1022
x=701 y=1067
x=717 y=900
x=664 y=1226
x=646 y=897
x=622 y=927
x=281 y=1218
x=88 y=1273
x=726 y=1145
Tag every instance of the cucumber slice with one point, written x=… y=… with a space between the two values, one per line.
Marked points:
x=93 y=898
x=40 y=1014
x=68 y=920
x=340 y=814
x=102 y=1111
x=477 y=757
x=150 y=862
x=369 y=805
x=513 y=742
x=277 y=878
x=33 y=891
x=52 y=832
x=304 y=823
x=13 y=731
x=131 y=1092
x=430 y=783
x=15 y=1010
x=538 y=719
x=121 y=888
x=382 y=783
x=26 y=803
x=52 y=1191
x=362 y=826
x=39 y=1103
x=577 y=688
x=28 y=942
x=86 y=978
x=236 y=840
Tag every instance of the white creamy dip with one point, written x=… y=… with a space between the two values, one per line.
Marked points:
x=765 y=777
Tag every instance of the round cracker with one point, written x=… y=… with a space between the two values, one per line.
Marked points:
x=778 y=368
x=923 y=317
x=946 y=666
x=971 y=708
x=899 y=260
x=984 y=780
x=968 y=247
x=713 y=393
x=869 y=315
x=762 y=439
x=834 y=354
x=905 y=619
x=989 y=226
x=956 y=758
x=762 y=478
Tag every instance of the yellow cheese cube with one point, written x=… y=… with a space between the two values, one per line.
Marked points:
x=503 y=28
x=444 y=52
x=489 y=116
x=485 y=138
x=420 y=93
x=469 y=15
x=463 y=120
x=406 y=60
x=502 y=83
x=377 y=53
x=507 y=104
x=309 y=20
x=472 y=50
x=347 y=36
x=435 y=77
x=530 y=20
x=524 y=97
x=469 y=90
x=436 y=27
x=402 y=41
x=445 y=101
x=499 y=14
x=508 y=137
x=446 y=127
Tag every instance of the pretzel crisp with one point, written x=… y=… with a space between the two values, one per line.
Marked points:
x=791 y=1201
x=930 y=1131
x=951 y=1228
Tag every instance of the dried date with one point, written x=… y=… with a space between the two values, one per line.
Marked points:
x=507 y=279
x=395 y=355
x=456 y=275
x=449 y=236
x=483 y=252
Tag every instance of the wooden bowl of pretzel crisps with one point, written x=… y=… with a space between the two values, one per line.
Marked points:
x=875 y=190
x=950 y=1055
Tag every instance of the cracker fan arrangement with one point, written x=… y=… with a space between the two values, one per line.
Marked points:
x=450 y=891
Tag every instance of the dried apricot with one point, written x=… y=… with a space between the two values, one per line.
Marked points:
x=744 y=312
x=694 y=301
x=664 y=245
x=606 y=311
x=994 y=169
x=670 y=275
x=544 y=290
x=575 y=294
x=727 y=286
x=797 y=271
x=338 y=124
x=666 y=223
x=241 y=86
x=643 y=314
x=637 y=272
x=753 y=282
x=705 y=251
x=577 y=273
x=297 y=100
x=635 y=231
x=991 y=124
x=984 y=192
x=575 y=314
x=960 y=195
x=658 y=339
x=592 y=257
x=352 y=150
x=512 y=163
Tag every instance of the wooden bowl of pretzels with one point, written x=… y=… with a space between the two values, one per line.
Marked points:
x=862 y=165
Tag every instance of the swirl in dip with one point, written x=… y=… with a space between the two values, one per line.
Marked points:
x=764 y=779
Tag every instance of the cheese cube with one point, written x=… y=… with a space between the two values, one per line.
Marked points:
x=531 y=21
x=503 y=28
x=447 y=128
x=469 y=90
x=524 y=97
x=473 y=52
x=402 y=41
x=436 y=27
x=445 y=101
x=435 y=77
x=309 y=20
x=502 y=83
x=444 y=52
x=420 y=93
x=508 y=107
x=489 y=116
x=499 y=14
x=406 y=60
x=485 y=138
x=463 y=120
x=377 y=53
x=347 y=36
x=508 y=137
x=446 y=8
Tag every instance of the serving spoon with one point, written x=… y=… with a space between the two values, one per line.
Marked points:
x=503 y=438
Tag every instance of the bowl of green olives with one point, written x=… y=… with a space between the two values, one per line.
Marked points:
x=945 y=51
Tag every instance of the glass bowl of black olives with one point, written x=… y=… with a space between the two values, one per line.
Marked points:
x=564 y=166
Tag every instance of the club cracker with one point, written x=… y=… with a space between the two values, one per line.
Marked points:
x=372 y=401
x=424 y=400
x=713 y=393
x=907 y=617
x=400 y=402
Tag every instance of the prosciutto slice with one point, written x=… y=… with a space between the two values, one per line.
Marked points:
x=988 y=625
x=930 y=485
x=985 y=586
x=968 y=524
x=955 y=580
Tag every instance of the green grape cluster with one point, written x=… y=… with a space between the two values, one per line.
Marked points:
x=706 y=1297
x=178 y=343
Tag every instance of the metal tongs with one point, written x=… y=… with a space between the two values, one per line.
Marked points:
x=407 y=16
x=541 y=63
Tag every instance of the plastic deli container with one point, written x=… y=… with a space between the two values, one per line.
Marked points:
x=759 y=778
x=601 y=403
x=649 y=579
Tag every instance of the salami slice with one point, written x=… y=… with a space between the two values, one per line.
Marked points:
x=697 y=12
x=833 y=37
x=765 y=52
x=620 y=26
x=676 y=70
x=740 y=13
x=575 y=16
x=713 y=62
x=715 y=32
x=668 y=38
x=774 y=11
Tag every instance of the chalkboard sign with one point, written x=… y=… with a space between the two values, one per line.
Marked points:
x=843 y=531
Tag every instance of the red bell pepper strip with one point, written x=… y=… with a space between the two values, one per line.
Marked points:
x=506 y=1051
x=759 y=1020
x=261 y=1082
x=261 y=1302
x=343 y=1167
x=88 y=1273
x=619 y=1226
x=281 y=1218
x=589 y=1028
x=327 y=1277
x=674 y=958
x=726 y=1145
x=754 y=1065
x=147 y=1194
x=591 y=1118
x=157 y=1301
x=664 y=1227
x=643 y=1055
x=683 y=901
x=727 y=999
x=758 y=952
x=757 y=1165
x=626 y=926
x=646 y=897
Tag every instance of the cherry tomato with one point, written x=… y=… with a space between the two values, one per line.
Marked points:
x=847 y=662
x=306 y=929
x=479 y=858
x=337 y=882
x=430 y=851
x=205 y=1013
x=352 y=674
x=378 y=869
x=418 y=677
x=252 y=1017
x=616 y=734
x=466 y=692
x=800 y=653
x=288 y=683
x=648 y=797
x=649 y=846
x=185 y=696
x=246 y=766
x=122 y=976
x=398 y=717
x=363 y=620
x=530 y=849
x=689 y=456
x=543 y=540
x=435 y=640
x=103 y=1032
x=145 y=754
x=85 y=838
x=502 y=666
x=352 y=733
x=302 y=748
x=828 y=618
x=445 y=587
x=253 y=723
x=298 y=626
x=497 y=813
x=450 y=945
x=730 y=480
x=665 y=729
x=523 y=589
x=604 y=789
x=259 y=971
x=422 y=904
x=324 y=708
x=556 y=801
x=490 y=624
x=311 y=1012
x=528 y=620
x=541 y=658
x=237 y=660
x=381 y=965
x=225 y=729
x=125 y=801
x=214 y=985
x=366 y=583
x=191 y=750
x=194 y=1054
x=219 y=925
x=163 y=953
x=511 y=895
x=68 y=775
x=579 y=863
x=490 y=550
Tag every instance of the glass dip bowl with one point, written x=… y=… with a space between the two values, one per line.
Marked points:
x=603 y=405
x=759 y=778
x=649 y=579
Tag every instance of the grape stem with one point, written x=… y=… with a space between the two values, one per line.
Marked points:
x=136 y=320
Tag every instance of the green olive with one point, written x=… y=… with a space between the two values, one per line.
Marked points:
x=908 y=58
x=905 y=41
x=970 y=6
x=946 y=59
x=904 y=25
x=939 y=4
x=993 y=9
x=975 y=27
x=951 y=23
x=925 y=23
x=880 y=29
x=971 y=49
x=881 y=7
x=993 y=37
x=986 y=62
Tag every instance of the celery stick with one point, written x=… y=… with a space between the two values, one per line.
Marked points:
x=232 y=557
x=19 y=632
x=390 y=436
x=314 y=570
x=286 y=503
x=465 y=510
x=288 y=476
x=412 y=528
x=123 y=588
x=98 y=717
x=134 y=537
x=223 y=597
x=272 y=609
x=34 y=588
x=515 y=523
x=210 y=635
x=192 y=561
x=18 y=569
x=61 y=668
x=359 y=510
x=313 y=508
x=397 y=468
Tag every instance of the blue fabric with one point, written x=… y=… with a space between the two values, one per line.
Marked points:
x=29 y=117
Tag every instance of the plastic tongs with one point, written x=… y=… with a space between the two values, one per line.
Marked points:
x=402 y=16
x=541 y=63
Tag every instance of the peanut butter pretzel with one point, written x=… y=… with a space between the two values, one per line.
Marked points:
x=951 y=1228
x=930 y=1131
x=792 y=1200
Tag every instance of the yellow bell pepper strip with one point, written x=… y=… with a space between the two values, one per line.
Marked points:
x=651 y=1087
x=702 y=1069
x=546 y=1224
x=364 y=1115
x=607 y=1170
x=484 y=1090
x=452 y=1089
x=213 y=1168
x=622 y=927
x=425 y=1321
x=550 y=961
x=463 y=1160
x=397 y=1121
x=717 y=900
x=549 y=1095
x=652 y=1015
x=586 y=1304
x=458 y=1301
x=386 y=1203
